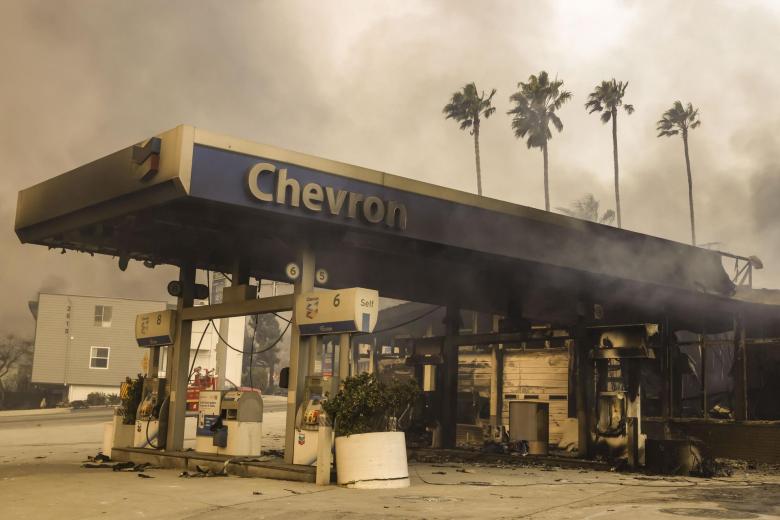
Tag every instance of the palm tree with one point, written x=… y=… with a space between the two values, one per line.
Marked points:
x=678 y=120
x=587 y=208
x=536 y=103
x=607 y=98
x=468 y=107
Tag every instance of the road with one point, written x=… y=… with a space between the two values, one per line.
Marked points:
x=89 y=416
x=99 y=415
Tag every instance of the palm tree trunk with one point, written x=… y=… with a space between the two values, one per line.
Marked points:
x=615 y=159
x=476 y=153
x=690 y=188
x=546 y=180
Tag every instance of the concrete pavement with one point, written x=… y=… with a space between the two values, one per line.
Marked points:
x=63 y=490
x=41 y=477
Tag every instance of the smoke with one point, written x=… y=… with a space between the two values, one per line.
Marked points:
x=54 y=284
x=365 y=83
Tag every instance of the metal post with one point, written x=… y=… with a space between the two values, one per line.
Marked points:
x=740 y=362
x=666 y=372
x=220 y=361
x=343 y=356
x=372 y=356
x=298 y=354
x=314 y=344
x=153 y=370
x=496 y=380
x=449 y=409
x=179 y=359
x=703 y=356
x=239 y=276
x=324 y=452
x=221 y=354
x=582 y=349
x=355 y=359
x=635 y=441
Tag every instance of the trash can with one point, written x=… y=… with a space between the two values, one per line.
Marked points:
x=529 y=421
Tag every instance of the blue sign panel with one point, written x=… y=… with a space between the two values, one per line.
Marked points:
x=297 y=191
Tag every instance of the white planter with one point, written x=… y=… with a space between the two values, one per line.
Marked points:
x=372 y=460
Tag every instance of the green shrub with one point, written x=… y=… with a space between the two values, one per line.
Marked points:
x=365 y=405
x=96 y=398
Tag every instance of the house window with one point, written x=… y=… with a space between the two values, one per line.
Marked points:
x=98 y=357
x=102 y=315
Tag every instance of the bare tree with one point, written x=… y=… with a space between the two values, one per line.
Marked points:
x=14 y=352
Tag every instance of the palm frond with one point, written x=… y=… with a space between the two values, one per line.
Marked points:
x=678 y=119
x=535 y=103
x=556 y=121
x=593 y=105
x=608 y=217
x=607 y=96
x=467 y=105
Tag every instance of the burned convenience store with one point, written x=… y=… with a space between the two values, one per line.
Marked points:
x=627 y=342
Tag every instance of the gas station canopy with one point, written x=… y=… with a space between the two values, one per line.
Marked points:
x=188 y=195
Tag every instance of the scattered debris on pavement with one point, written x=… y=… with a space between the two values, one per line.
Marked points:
x=204 y=472
x=119 y=466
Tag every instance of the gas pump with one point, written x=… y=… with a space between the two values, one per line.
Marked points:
x=151 y=420
x=229 y=423
x=317 y=314
x=241 y=431
x=617 y=354
x=153 y=330
x=307 y=418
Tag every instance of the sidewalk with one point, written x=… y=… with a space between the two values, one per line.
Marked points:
x=35 y=411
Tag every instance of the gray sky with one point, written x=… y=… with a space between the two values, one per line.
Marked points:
x=364 y=82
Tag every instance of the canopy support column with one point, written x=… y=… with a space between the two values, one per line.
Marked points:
x=582 y=349
x=344 y=348
x=449 y=387
x=496 y=379
x=299 y=358
x=740 y=365
x=179 y=361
